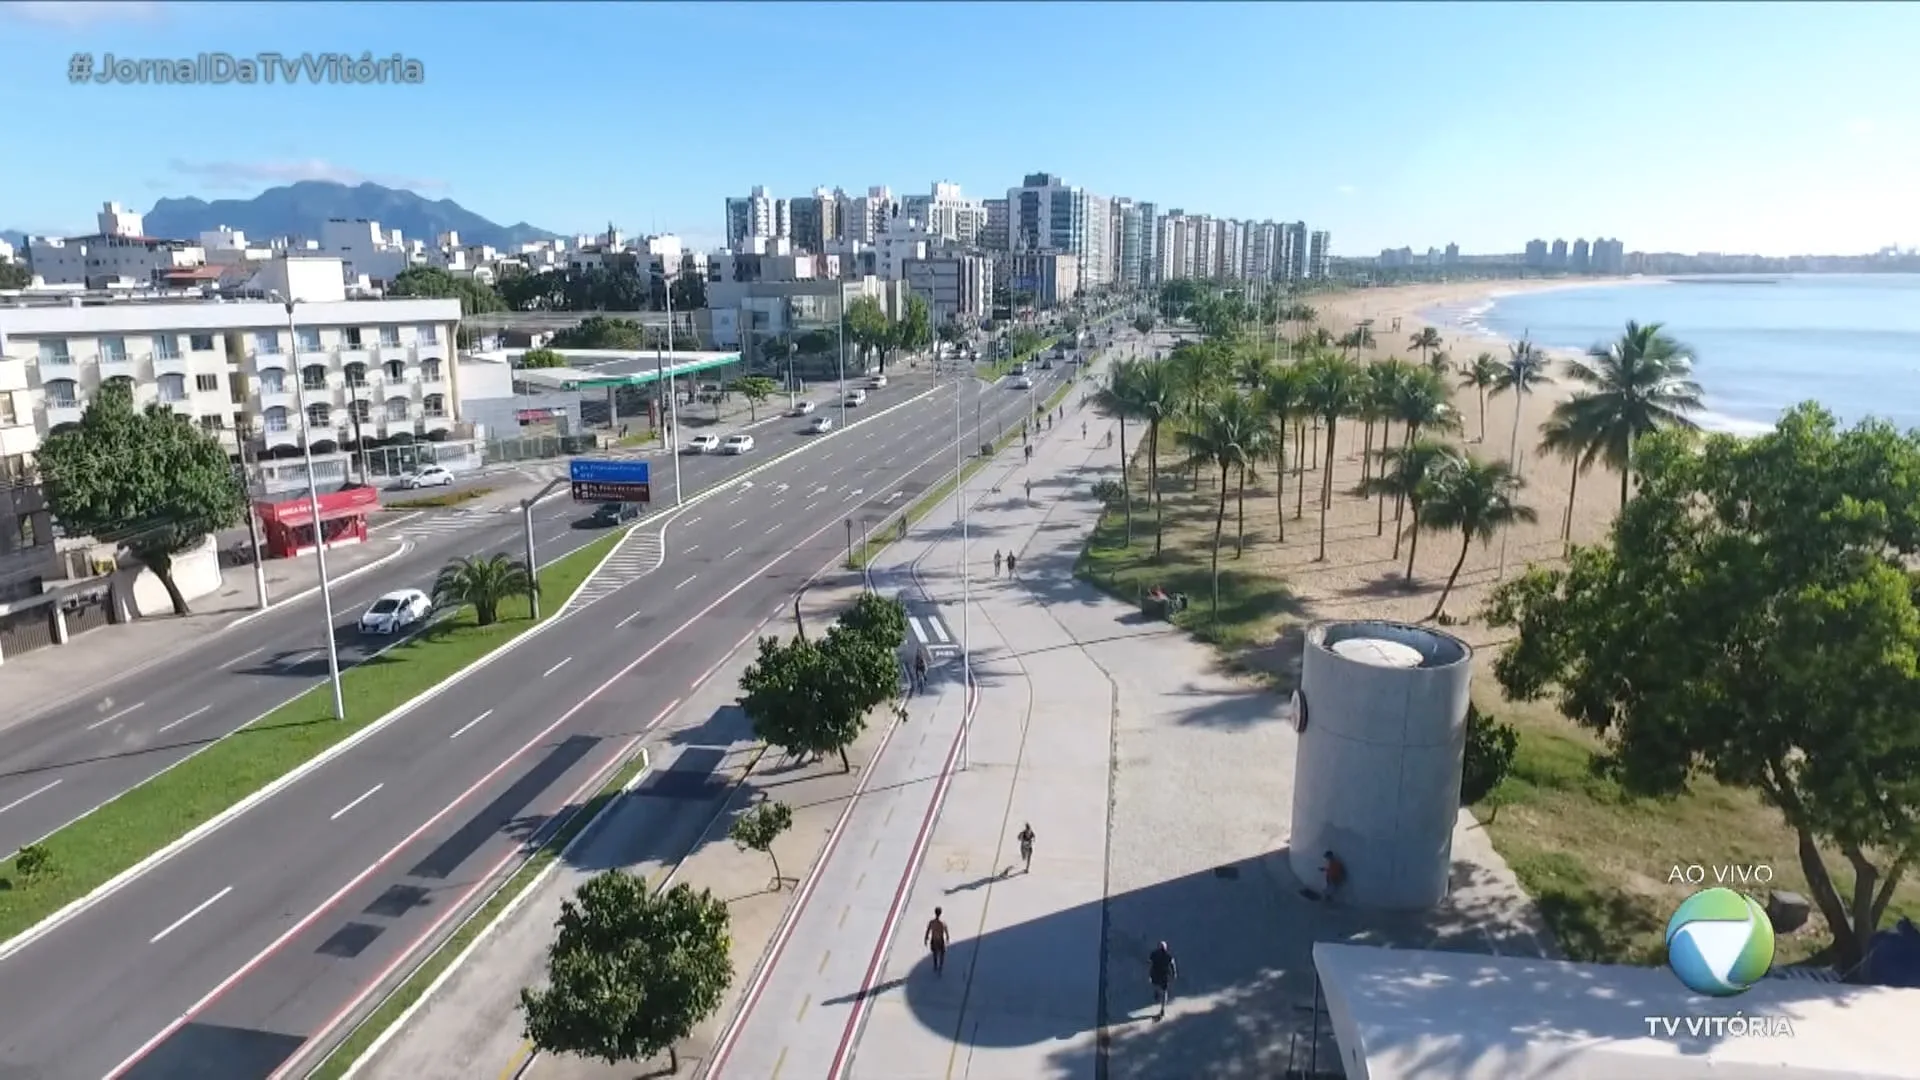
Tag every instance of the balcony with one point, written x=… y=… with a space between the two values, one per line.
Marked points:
x=171 y=365
x=436 y=421
x=57 y=366
x=273 y=438
x=278 y=395
x=122 y=366
x=64 y=411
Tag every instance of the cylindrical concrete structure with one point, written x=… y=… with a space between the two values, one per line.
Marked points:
x=1377 y=778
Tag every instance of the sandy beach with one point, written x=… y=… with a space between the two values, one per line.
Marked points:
x=1362 y=577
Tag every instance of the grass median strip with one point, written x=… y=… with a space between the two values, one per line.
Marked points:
x=93 y=850
x=435 y=502
x=368 y=1031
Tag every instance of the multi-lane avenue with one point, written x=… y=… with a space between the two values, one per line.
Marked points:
x=224 y=960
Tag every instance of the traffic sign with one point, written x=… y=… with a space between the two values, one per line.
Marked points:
x=601 y=480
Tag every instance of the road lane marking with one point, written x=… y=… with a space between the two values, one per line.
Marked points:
x=557 y=666
x=169 y=727
x=301 y=659
x=244 y=655
x=182 y=920
x=470 y=723
x=338 y=814
x=741 y=524
x=115 y=716
x=773 y=528
x=683 y=584
x=734 y=552
x=623 y=622
x=693 y=520
x=29 y=795
x=690 y=549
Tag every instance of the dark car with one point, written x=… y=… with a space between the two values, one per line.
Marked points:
x=615 y=513
x=1046 y=365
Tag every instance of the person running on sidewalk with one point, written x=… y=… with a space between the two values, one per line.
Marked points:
x=1010 y=564
x=1160 y=972
x=920 y=671
x=1029 y=489
x=997 y=560
x=1026 y=846
x=1083 y=430
x=1335 y=872
x=936 y=941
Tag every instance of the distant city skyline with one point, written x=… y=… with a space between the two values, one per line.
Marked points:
x=1700 y=147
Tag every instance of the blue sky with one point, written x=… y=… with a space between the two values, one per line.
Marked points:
x=1775 y=128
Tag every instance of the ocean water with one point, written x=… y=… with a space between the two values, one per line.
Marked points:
x=1849 y=341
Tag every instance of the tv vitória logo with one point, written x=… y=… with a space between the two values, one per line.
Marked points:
x=1719 y=942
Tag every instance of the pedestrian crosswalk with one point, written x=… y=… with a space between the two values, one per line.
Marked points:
x=640 y=553
x=438 y=523
x=932 y=634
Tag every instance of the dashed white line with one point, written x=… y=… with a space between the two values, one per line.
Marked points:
x=470 y=723
x=693 y=521
x=182 y=920
x=771 y=529
x=115 y=716
x=338 y=814
x=626 y=620
x=741 y=524
x=690 y=549
x=734 y=552
x=557 y=666
x=29 y=795
x=682 y=585
x=244 y=655
x=164 y=728
x=301 y=659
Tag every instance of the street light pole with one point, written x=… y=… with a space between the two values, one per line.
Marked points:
x=313 y=509
x=673 y=392
x=966 y=575
x=842 y=334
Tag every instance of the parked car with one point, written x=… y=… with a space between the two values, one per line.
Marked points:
x=615 y=513
x=395 y=612
x=805 y=408
x=857 y=397
x=1023 y=383
x=737 y=444
x=427 y=476
x=879 y=381
x=820 y=426
x=701 y=444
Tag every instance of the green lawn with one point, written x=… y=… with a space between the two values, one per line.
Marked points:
x=91 y=851
x=434 y=502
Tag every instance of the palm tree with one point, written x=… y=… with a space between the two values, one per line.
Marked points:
x=1440 y=363
x=1219 y=437
x=482 y=583
x=1477 y=498
x=1387 y=377
x=1425 y=339
x=1408 y=473
x=1119 y=399
x=1636 y=385
x=1280 y=402
x=1525 y=370
x=1420 y=404
x=1376 y=404
x=1251 y=368
x=1156 y=399
x=1332 y=391
x=1484 y=373
x=1563 y=437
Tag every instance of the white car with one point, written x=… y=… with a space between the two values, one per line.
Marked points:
x=430 y=476
x=858 y=397
x=805 y=408
x=879 y=381
x=737 y=444
x=395 y=612
x=820 y=426
x=702 y=444
x=1023 y=383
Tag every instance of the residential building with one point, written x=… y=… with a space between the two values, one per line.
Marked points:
x=815 y=219
x=27 y=555
x=1609 y=256
x=1536 y=253
x=1294 y=251
x=1452 y=255
x=1319 y=254
x=117 y=256
x=947 y=213
x=1149 y=243
x=373 y=370
x=751 y=216
x=365 y=250
x=1263 y=250
x=1052 y=278
x=1557 y=255
x=993 y=236
x=1230 y=262
x=1582 y=257
x=955 y=287
x=1132 y=236
x=1175 y=246
x=864 y=213
x=1046 y=214
x=1206 y=247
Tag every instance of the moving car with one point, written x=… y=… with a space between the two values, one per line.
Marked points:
x=1046 y=365
x=1023 y=383
x=857 y=397
x=615 y=513
x=820 y=426
x=805 y=408
x=395 y=612
x=428 y=476
x=702 y=444
x=879 y=381
x=737 y=444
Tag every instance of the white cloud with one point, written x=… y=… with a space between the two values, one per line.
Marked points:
x=241 y=175
x=74 y=14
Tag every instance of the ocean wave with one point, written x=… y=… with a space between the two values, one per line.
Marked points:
x=1731 y=425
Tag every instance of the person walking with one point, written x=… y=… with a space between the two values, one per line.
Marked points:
x=1083 y=431
x=1010 y=564
x=997 y=560
x=1335 y=873
x=1029 y=489
x=1026 y=847
x=920 y=671
x=936 y=941
x=1161 y=970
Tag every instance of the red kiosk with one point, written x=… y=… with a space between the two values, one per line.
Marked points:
x=287 y=527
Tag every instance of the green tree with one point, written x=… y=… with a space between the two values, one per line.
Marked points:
x=1635 y=385
x=1331 y=391
x=1119 y=398
x=1482 y=376
x=1281 y=402
x=689 y=292
x=32 y=863
x=542 y=358
x=1524 y=372
x=756 y=389
x=1143 y=324
x=1426 y=339
x=1407 y=474
x=812 y=698
x=1560 y=437
x=1420 y=403
x=147 y=480
x=15 y=275
x=483 y=584
x=631 y=972
x=1490 y=750
x=914 y=330
x=879 y=619
x=1476 y=499
x=432 y=282
x=600 y=332
x=867 y=328
x=1227 y=436
x=758 y=828
x=1756 y=619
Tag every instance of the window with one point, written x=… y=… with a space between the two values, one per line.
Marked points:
x=266 y=343
x=389 y=335
x=27 y=538
x=353 y=337
x=396 y=370
x=63 y=392
x=16 y=468
x=320 y=415
x=435 y=405
x=54 y=352
x=362 y=411
x=166 y=347
x=6 y=410
x=430 y=370
x=206 y=383
x=212 y=423
x=397 y=408
x=276 y=419
x=113 y=349
x=429 y=335
x=313 y=377
x=272 y=381
x=173 y=388
x=200 y=342
x=357 y=375
x=309 y=340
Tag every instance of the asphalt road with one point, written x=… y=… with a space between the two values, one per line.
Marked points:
x=223 y=961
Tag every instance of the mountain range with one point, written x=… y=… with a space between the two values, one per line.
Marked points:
x=298 y=209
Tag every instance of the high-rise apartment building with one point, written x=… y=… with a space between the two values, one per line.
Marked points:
x=1149 y=243
x=1581 y=258
x=1206 y=248
x=814 y=220
x=1536 y=253
x=1130 y=232
x=1609 y=257
x=1319 y=254
x=1263 y=251
x=1046 y=214
x=993 y=236
x=947 y=213
x=1557 y=255
x=864 y=213
x=1231 y=263
x=1294 y=250
x=750 y=217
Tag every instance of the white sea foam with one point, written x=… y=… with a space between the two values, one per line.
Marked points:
x=1730 y=425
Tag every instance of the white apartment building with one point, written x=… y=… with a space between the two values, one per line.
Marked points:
x=948 y=214
x=371 y=370
x=1319 y=254
x=365 y=250
x=1294 y=248
x=863 y=214
x=752 y=216
x=1206 y=247
x=955 y=287
x=117 y=256
x=1046 y=214
x=1230 y=263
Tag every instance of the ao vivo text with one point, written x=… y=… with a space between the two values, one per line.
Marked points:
x=1720 y=874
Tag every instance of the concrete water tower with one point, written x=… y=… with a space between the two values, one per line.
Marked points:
x=1382 y=717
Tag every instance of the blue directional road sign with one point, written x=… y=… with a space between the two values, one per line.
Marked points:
x=598 y=480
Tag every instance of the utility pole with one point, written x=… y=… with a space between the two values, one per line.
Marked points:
x=673 y=392
x=313 y=509
x=253 y=519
